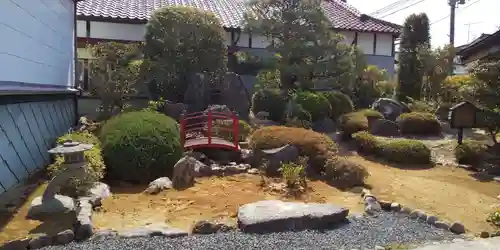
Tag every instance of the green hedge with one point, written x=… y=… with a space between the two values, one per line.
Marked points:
x=271 y=101
x=95 y=168
x=470 y=152
x=340 y=104
x=140 y=146
x=417 y=123
x=351 y=123
x=314 y=103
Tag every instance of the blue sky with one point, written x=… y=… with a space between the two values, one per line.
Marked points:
x=484 y=14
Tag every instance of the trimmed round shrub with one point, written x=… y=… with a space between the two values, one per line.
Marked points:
x=224 y=129
x=366 y=142
x=405 y=151
x=299 y=117
x=318 y=147
x=416 y=123
x=314 y=103
x=271 y=101
x=340 y=104
x=371 y=114
x=351 y=123
x=140 y=146
x=343 y=173
x=470 y=152
x=95 y=168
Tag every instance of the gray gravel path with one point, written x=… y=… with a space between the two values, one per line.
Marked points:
x=360 y=233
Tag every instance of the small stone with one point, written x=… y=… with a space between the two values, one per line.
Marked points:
x=457 y=228
x=442 y=224
x=457 y=240
x=40 y=241
x=406 y=210
x=379 y=248
x=431 y=219
x=253 y=171
x=484 y=234
x=233 y=163
x=396 y=207
x=104 y=233
x=495 y=234
x=158 y=185
x=417 y=214
x=205 y=227
x=64 y=237
x=385 y=205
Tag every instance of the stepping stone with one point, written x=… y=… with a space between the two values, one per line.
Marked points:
x=278 y=216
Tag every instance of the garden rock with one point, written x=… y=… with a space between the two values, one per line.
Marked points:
x=325 y=125
x=40 y=241
x=253 y=171
x=431 y=219
x=98 y=192
x=64 y=237
x=158 y=185
x=174 y=110
x=276 y=156
x=390 y=108
x=184 y=172
x=457 y=228
x=385 y=205
x=417 y=214
x=277 y=216
x=84 y=228
x=384 y=127
x=153 y=230
x=197 y=93
x=406 y=210
x=206 y=227
x=60 y=204
x=235 y=95
x=395 y=207
x=104 y=233
x=442 y=224
x=262 y=115
x=371 y=204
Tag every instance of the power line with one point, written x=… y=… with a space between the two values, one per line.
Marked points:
x=465 y=7
x=396 y=11
x=389 y=7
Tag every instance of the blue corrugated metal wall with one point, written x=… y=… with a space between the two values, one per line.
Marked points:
x=27 y=131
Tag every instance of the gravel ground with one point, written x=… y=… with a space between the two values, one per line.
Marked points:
x=360 y=233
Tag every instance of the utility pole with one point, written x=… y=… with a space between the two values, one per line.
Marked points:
x=453 y=4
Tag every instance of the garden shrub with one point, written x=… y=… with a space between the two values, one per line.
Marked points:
x=140 y=146
x=294 y=174
x=340 y=104
x=271 y=101
x=95 y=167
x=494 y=218
x=405 y=151
x=314 y=103
x=298 y=117
x=371 y=114
x=470 y=152
x=351 y=123
x=366 y=142
x=195 y=43
x=344 y=173
x=318 y=147
x=224 y=129
x=417 y=123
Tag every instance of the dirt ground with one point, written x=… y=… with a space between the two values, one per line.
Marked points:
x=213 y=198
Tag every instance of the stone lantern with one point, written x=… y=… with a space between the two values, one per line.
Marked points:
x=74 y=163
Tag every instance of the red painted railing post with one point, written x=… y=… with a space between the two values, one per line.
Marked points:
x=183 y=130
x=209 y=126
x=236 y=126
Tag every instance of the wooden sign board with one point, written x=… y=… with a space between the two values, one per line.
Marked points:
x=463 y=115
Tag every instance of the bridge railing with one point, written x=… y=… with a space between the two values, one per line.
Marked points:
x=201 y=124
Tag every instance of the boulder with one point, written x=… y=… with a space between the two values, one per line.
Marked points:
x=277 y=216
x=64 y=237
x=390 y=108
x=40 y=208
x=40 y=242
x=276 y=156
x=442 y=224
x=457 y=228
x=98 y=192
x=158 y=185
x=371 y=204
x=384 y=127
x=153 y=230
x=196 y=96
x=184 y=172
x=234 y=95
x=174 y=110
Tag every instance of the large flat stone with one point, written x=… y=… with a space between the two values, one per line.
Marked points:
x=60 y=204
x=277 y=216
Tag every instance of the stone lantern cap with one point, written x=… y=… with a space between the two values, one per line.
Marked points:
x=70 y=147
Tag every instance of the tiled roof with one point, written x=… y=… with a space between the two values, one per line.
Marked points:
x=341 y=15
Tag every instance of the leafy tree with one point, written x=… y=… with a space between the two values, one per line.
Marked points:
x=179 y=42
x=437 y=68
x=414 y=39
x=302 y=37
x=114 y=73
x=367 y=90
x=488 y=94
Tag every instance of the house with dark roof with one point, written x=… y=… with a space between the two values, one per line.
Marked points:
x=485 y=46
x=124 y=20
x=37 y=84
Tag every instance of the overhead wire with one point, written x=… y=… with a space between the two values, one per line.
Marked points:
x=445 y=17
x=404 y=8
x=389 y=7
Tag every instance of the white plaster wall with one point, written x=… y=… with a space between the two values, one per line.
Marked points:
x=365 y=42
x=81 y=28
x=118 y=31
x=36 y=44
x=348 y=36
x=384 y=44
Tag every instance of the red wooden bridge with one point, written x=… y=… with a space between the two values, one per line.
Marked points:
x=197 y=130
